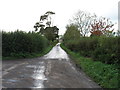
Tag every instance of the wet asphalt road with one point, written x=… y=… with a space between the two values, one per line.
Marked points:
x=54 y=70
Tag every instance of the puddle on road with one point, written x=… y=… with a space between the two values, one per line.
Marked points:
x=31 y=66
x=39 y=75
x=14 y=80
x=56 y=53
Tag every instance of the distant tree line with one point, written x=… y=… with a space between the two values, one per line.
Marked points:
x=93 y=37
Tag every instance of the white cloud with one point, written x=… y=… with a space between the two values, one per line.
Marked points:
x=22 y=14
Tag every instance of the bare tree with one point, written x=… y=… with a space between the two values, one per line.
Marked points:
x=88 y=23
x=83 y=20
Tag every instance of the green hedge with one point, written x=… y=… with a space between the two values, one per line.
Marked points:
x=19 y=43
x=104 y=49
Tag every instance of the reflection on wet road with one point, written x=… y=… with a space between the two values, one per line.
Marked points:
x=53 y=70
x=57 y=53
x=39 y=76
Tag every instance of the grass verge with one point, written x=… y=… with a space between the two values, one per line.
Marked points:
x=28 y=55
x=105 y=75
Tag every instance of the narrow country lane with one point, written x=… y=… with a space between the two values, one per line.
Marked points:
x=53 y=70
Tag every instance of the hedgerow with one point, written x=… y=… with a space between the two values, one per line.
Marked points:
x=104 y=49
x=20 y=43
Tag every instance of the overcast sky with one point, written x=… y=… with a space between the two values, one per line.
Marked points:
x=23 y=14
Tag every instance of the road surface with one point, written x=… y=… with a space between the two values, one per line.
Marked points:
x=53 y=70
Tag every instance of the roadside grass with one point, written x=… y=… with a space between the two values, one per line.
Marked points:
x=105 y=75
x=28 y=55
